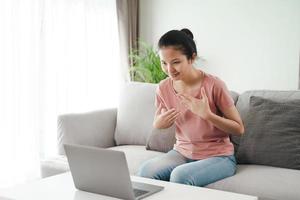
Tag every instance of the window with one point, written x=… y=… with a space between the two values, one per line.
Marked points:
x=56 y=56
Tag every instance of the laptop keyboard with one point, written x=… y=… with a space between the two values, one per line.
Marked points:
x=138 y=192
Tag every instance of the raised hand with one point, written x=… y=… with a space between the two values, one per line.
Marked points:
x=199 y=107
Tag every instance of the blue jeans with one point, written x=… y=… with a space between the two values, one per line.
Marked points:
x=174 y=167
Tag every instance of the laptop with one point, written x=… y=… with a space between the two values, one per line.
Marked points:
x=104 y=172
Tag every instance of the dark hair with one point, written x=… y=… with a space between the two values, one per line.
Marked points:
x=182 y=40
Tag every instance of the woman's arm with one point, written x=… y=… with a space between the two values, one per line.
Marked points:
x=232 y=123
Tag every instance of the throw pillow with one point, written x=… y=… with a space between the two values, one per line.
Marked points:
x=272 y=134
x=161 y=140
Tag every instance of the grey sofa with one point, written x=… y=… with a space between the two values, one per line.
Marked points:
x=127 y=128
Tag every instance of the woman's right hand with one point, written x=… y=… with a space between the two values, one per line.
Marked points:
x=165 y=118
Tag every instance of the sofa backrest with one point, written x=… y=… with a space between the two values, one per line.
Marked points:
x=244 y=99
x=136 y=113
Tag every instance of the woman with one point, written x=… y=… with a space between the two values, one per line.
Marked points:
x=204 y=114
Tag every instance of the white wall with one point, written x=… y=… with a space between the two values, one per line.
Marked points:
x=250 y=44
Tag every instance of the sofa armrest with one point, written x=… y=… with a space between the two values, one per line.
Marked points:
x=92 y=129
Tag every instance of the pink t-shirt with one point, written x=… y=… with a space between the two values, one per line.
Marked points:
x=197 y=138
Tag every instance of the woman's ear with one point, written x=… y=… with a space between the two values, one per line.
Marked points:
x=192 y=60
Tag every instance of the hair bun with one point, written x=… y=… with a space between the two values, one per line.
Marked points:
x=188 y=32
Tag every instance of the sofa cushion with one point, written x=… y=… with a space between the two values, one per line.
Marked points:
x=242 y=104
x=262 y=181
x=272 y=134
x=94 y=128
x=135 y=113
x=136 y=155
x=54 y=165
x=161 y=140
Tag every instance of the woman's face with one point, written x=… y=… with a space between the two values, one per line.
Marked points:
x=174 y=63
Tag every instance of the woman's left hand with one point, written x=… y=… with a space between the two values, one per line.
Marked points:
x=199 y=107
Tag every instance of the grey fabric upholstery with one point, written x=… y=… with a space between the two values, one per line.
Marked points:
x=242 y=104
x=93 y=129
x=161 y=140
x=135 y=113
x=135 y=156
x=272 y=134
x=54 y=165
x=262 y=181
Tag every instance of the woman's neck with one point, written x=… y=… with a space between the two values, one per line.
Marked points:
x=193 y=77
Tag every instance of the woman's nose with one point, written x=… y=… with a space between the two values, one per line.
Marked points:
x=171 y=68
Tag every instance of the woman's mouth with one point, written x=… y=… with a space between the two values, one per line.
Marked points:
x=175 y=74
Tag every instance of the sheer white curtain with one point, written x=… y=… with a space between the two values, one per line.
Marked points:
x=56 y=56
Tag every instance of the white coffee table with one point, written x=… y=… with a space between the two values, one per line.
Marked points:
x=61 y=187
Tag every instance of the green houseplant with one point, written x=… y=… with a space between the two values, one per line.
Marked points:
x=145 y=65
